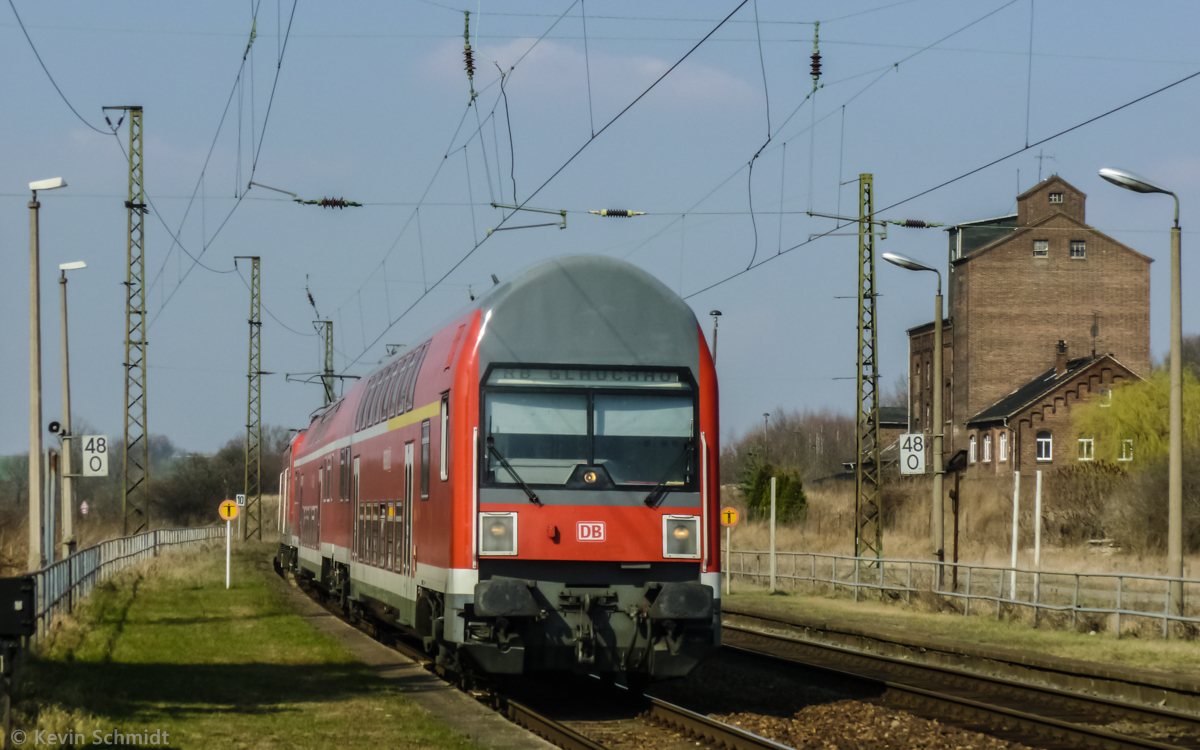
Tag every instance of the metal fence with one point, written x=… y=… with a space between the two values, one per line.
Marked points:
x=1123 y=596
x=59 y=586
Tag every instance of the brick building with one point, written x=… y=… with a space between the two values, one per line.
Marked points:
x=1026 y=291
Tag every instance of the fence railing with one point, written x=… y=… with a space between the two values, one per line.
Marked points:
x=1121 y=595
x=59 y=586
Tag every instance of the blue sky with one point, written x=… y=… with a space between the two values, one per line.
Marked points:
x=369 y=101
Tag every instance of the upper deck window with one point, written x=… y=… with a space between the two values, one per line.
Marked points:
x=640 y=435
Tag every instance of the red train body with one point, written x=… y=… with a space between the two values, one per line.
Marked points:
x=533 y=488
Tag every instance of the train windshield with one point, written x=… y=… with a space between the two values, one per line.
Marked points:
x=554 y=437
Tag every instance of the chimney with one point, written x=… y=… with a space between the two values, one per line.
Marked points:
x=1060 y=359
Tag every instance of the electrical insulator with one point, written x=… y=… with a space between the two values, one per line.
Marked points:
x=617 y=212
x=816 y=65
x=470 y=58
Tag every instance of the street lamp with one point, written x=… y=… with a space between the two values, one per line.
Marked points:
x=766 y=453
x=36 y=557
x=715 y=314
x=68 y=497
x=1130 y=181
x=939 y=531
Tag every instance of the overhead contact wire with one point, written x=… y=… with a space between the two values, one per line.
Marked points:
x=552 y=176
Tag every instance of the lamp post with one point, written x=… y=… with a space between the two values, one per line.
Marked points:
x=36 y=556
x=68 y=496
x=939 y=531
x=766 y=452
x=715 y=314
x=1130 y=181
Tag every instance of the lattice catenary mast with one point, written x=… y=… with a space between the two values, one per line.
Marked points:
x=253 y=483
x=135 y=469
x=868 y=530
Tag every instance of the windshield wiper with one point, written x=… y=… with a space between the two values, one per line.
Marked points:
x=656 y=495
x=491 y=446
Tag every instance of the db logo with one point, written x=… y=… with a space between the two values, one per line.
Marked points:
x=590 y=531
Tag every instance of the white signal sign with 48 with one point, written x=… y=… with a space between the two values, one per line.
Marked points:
x=95 y=455
x=912 y=453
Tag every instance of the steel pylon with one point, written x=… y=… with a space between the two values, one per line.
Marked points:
x=868 y=531
x=253 y=483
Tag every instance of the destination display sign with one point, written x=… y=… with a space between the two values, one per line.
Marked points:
x=582 y=377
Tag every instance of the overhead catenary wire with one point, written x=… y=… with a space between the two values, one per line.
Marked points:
x=47 y=70
x=553 y=175
x=953 y=180
x=882 y=72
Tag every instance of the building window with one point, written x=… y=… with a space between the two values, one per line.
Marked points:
x=1056 y=197
x=987 y=448
x=1106 y=397
x=1086 y=448
x=1003 y=447
x=1126 y=450
x=1078 y=249
x=971 y=453
x=1045 y=446
x=1041 y=248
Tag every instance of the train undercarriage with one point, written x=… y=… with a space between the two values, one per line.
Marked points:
x=643 y=623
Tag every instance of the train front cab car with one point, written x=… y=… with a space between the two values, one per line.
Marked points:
x=532 y=489
x=596 y=478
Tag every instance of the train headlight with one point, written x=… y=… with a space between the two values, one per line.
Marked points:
x=681 y=536
x=497 y=533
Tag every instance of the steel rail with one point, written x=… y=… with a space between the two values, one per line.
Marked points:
x=898 y=677
x=702 y=727
x=657 y=711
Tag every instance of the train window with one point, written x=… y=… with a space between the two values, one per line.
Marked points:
x=358 y=536
x=362 y=404
x=394 y=396
x=380 y=396
x=412 y=387
x=644 y=439
x=402 y=386
x=425 y=459
x=443 y=465
x=387 y=521
x=543 y=436
x=372 y=536
x=343 y=474
x=388 y=410
x=380 y=388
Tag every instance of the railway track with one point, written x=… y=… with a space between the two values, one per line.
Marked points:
x=659 y=724
x=1013 y=710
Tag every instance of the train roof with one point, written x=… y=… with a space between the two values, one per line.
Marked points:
x=587 y=310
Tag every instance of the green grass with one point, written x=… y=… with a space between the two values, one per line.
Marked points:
x=1174 y=656
x=168 y=647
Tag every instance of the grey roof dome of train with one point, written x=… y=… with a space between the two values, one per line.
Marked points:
x=587 y=310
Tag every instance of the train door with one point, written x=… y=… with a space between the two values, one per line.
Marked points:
x=408 y=514
x=321 y=479
x=356 y=515
x=390 y=537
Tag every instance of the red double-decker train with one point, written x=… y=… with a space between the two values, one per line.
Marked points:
x=533 y=488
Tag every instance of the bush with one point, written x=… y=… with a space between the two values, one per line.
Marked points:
x=791 y=503
x=1136 y=512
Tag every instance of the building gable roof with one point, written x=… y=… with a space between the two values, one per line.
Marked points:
x=1051 y=180
x=1039 y=387
x=1019 y=232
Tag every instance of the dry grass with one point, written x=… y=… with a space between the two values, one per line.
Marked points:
x=985 y=530
x=90 y=531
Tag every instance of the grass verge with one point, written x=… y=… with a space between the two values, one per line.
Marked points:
x=166 y=647
x=1175 y=656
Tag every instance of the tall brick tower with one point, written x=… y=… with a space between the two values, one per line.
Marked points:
x=1019 y=285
